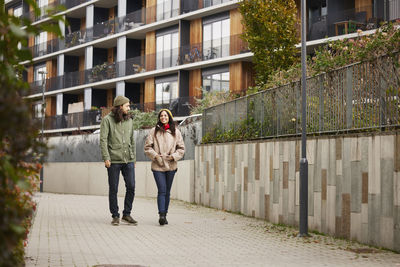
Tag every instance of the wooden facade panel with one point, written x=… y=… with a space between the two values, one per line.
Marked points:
x=196 y=31
x=236 y=43
x=241 y=76
x=150 y=51
x=81 y=63
x=151 y=11
x=149 y=94
x=364 y=6
x=83 y=24
x=235 y=77
x=110 y=97
x=195 y=83
x=31 y=41
x=51 y=103
x=248 y=75
x=30 y=74
x=110 y=55
x=49 y=69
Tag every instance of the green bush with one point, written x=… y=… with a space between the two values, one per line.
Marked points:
x=19 y=142
x=336 y=54
x=210 y=99
x=143 y=119
x=270 y=30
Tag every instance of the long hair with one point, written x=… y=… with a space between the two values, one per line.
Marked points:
x=119 y=114
x=160 y=126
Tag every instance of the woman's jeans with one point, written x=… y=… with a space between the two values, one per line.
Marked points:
x=164 y=183
x=128 y=172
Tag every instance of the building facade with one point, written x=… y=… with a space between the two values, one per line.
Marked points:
x=158 y=53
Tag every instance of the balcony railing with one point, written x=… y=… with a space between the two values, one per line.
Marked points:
x=120 y=24
x=73 y=120
x=43 y=10
x=231 y=45
x=179 y=107
x=350 y=20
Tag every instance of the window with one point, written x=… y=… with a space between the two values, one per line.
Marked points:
x=42 y=3
x=166 y=90
x=38 y=110
x=15 y=11
x=216 y=38
x=41 y=43
x=167 y=50
x=208 y=3
x=167 y=9
x=216 y=79
x=18 y=11
x=38 y=76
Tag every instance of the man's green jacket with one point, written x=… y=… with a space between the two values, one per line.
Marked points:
x=117 y=142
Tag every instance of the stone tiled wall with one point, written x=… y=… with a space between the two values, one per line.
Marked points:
x=354 y=183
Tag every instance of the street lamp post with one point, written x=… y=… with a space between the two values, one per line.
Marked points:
x=303 y=220
x=43 y=74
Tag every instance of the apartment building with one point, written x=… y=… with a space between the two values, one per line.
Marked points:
x=158 y=53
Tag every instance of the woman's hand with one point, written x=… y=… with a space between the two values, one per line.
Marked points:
x=168 y=157
x=159 y=160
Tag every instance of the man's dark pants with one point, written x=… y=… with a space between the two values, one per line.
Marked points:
x=128 y=172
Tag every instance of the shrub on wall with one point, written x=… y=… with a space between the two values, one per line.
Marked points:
x=19 y=142
x=336 y=54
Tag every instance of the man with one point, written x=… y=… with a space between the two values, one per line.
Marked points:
x=118 y=151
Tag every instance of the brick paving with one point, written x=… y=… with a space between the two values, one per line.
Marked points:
x=75 y=230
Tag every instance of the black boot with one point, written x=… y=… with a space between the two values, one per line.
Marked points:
x=166 y=222
x=162 y=219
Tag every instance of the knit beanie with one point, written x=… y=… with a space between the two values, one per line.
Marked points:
x=120 y=100
x=166 y=110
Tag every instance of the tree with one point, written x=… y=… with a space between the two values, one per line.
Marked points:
x=270 y=30
x=18 y=133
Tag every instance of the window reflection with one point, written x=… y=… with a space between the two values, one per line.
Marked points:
x=218 y=82
x=216 y=39
x=167 y=50
x=165 y=92
x=167 y=9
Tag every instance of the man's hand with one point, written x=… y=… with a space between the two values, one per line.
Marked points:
x=107 y=163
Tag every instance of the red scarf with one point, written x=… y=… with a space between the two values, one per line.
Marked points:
x=166 y=126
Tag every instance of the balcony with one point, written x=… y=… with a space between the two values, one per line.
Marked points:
x=332 y=21
x=179 y=107
x=132 y=20
x=43 y=10
x=228 y=46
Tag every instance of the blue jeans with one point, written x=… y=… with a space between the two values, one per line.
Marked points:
x=164 y=183
x=128 y=172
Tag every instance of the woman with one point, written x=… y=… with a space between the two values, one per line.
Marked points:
x=164 y=146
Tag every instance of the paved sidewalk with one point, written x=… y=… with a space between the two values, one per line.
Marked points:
x=72 y=230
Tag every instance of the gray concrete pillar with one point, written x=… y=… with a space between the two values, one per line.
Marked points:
x=88 y=57
x=89 y=21
x=60 y=72
x=87 y=102
x=121 y=8
x=121 y=56
x=120 y=89
x=59 y=104
x=60 y=65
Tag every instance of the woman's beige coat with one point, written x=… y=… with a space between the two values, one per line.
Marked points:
x=162 y=145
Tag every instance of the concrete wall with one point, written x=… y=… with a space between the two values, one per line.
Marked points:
x=86 y=148
x=74 y=166
x=354 y=184
x=90 y=178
